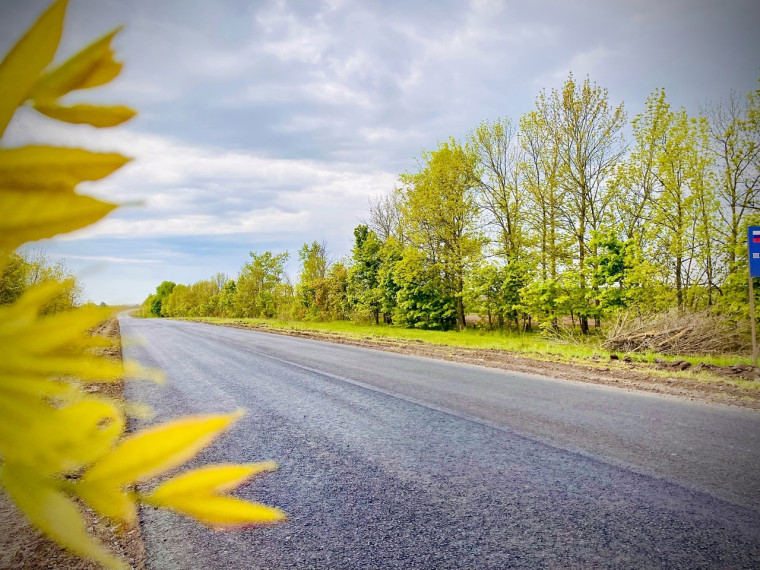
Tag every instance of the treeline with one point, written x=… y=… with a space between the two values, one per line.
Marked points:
x=26 y=270
x=551 y=219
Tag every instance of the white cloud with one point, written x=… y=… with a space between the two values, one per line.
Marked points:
x=289 y=38
x=255 y=222
x=203 y=191
x=108 y=258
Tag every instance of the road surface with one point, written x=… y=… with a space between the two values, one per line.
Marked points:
x=393 y=461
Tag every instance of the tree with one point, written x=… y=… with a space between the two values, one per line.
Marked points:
x=439 y=216
x=734 y=126
x=364 y=290
x=497 y=291
x=154 y=304
x=539 y=173
x=311 y=290
x=422 y=298
x=338 y=305
x=390 y=255
x=13 y=279
x=586 y=133
x=385 y=216
x=499 y=154
x=680 y=232
x=259 y=292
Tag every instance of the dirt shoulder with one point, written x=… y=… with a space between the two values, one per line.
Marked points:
x=738 y=385
x=23 y=547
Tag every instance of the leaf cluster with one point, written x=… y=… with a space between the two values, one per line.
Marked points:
x=60 y=445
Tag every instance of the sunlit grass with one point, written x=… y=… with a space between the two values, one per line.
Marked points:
x=532 y=344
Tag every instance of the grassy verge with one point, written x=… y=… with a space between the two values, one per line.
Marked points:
x=726 y=379
x=529 y=345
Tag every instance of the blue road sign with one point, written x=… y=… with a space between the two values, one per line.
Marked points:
x=753 y=245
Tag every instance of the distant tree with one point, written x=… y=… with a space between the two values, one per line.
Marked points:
x=227 y=299
x=338 y=305
x=259 y=292
x=496 y=292
x=154 y=303
x=13 y=278
x=390 y=255
x=312 y=286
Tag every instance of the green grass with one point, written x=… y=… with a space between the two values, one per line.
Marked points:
x=528 y=344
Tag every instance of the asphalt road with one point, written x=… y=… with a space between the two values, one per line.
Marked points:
x=390 y=461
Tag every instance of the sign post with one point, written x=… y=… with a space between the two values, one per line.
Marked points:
x=753 y=247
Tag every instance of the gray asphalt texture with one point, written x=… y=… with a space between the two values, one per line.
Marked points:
x=392 y=461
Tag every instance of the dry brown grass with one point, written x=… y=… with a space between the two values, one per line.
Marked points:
x=678 y=333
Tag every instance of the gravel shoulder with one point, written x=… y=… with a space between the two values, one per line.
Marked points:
x=737 y=386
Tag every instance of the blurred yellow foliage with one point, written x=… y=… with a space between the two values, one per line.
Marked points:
x=58 y=443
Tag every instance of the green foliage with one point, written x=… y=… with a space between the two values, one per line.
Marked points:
x=500 y=185
x=440 y=220
x=312 y=286
x=154 y=304
x=421 y=301
x=23 y=271
x=262 y=289
x=364 y=290
x=555 y=218
x=497 y=291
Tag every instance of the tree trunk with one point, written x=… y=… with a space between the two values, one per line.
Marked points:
x=679 y=286
x=460 y=304
x=460 y=314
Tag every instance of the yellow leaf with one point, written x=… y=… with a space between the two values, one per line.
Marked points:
x=222 y=512
x=108 y=500
x=53 y=331
x=139 y=411
x=28 y=384
x=57 y=440
x=157 y=449
x=104 y=71
x=33 y=216
x=92 y=66
x=54 y=168
x=210 y=479
x=92 y=427
x=95 y=115
x=88 y=368
x=57 y=345
x=196 y=493
x=54 y=513
x=28 y=58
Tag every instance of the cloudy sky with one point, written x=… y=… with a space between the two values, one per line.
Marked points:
x=267 y=124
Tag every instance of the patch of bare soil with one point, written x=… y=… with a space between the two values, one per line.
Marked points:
x=23 y=547
x=622 y=373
